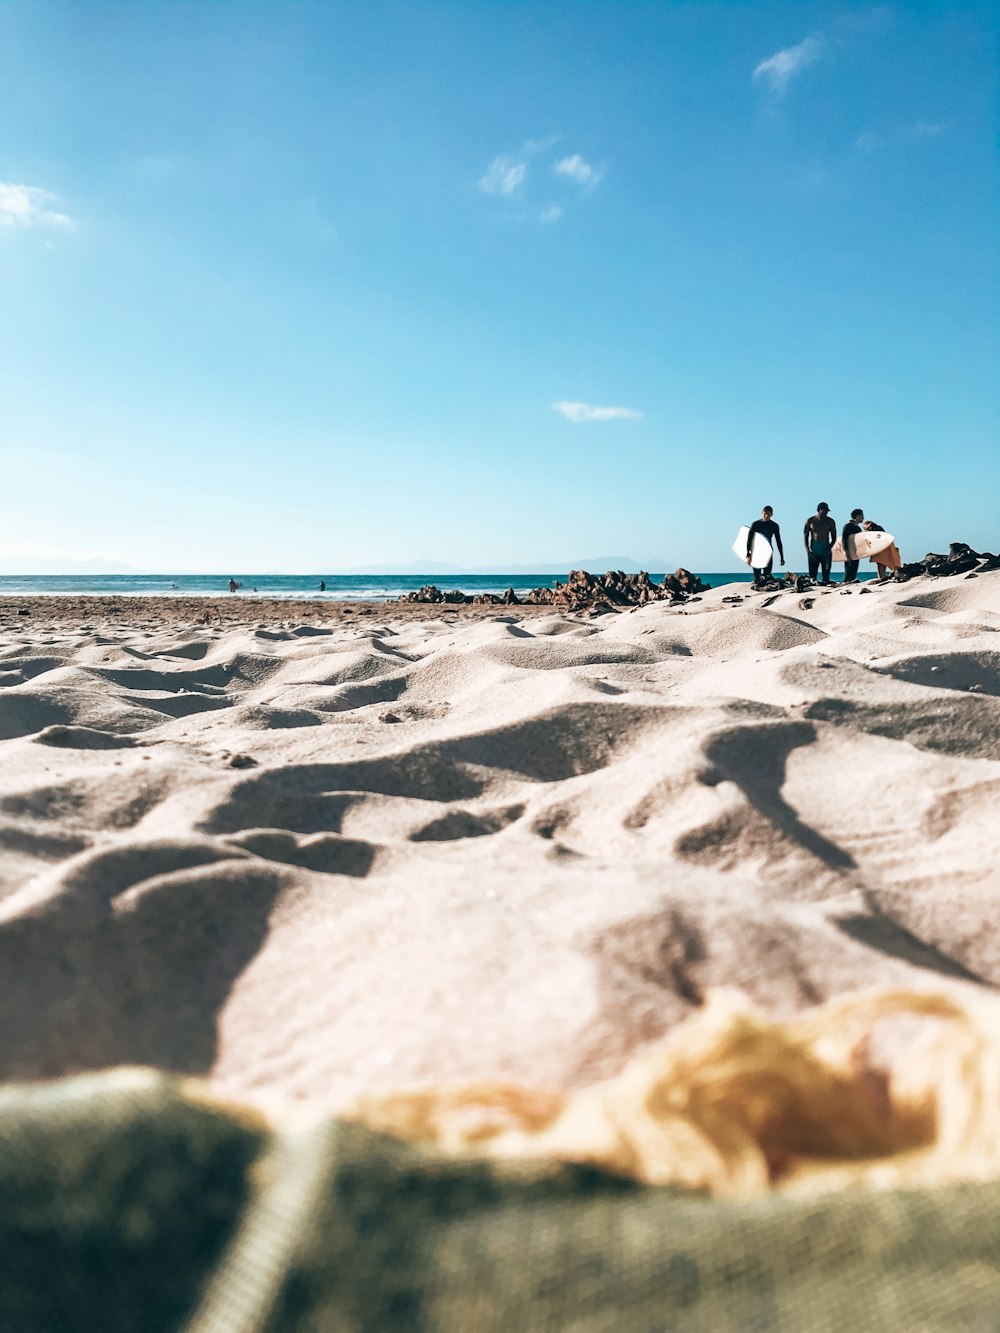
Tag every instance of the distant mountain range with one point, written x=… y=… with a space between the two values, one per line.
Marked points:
x=35 y=565
x=594 y=564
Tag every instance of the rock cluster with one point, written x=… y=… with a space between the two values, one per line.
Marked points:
x=430 y=593
x=787 y=583
x=961 y=559
x=581 y=592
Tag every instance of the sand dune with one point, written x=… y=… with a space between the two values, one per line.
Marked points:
x=324 y=859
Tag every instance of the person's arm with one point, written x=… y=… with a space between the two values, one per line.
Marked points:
x=805 y=536
x=777 y=538
x=750 y=532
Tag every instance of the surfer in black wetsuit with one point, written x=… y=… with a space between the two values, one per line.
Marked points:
x=820 y=532
x=851 y=529
x=771 y=533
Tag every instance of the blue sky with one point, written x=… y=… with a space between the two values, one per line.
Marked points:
x=302 y=286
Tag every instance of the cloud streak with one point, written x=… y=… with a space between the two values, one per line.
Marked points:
x=29 y=206
x=777 y=71
x=589 y=412
x=504 y=176
x=541 y=145
x=578 y=169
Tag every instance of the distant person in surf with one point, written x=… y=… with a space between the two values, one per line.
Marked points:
x=771 y=533
x=233 y=585
x=322 y=585
x=820 y=532
x=886 y=561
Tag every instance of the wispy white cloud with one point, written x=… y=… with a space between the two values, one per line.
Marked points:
x=578 y=169
x=870 y=142
x=29 y=206
x=588 y=412
x=504 y=176
x=778 y=70
x=541 y=145
x=517 y=177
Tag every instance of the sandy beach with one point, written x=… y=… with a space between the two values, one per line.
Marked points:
x=315 y=852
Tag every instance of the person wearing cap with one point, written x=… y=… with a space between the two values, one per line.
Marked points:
x=820 y=532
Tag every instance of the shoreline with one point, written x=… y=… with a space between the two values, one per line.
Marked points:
x=237 y=608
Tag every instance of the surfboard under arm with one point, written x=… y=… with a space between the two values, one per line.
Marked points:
x=761 y=552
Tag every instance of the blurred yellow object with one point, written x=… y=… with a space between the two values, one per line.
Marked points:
x=734 y=1103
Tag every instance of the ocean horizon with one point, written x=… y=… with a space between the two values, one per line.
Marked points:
x=295 y=587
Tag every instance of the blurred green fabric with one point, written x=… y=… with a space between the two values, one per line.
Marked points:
x=127 y=1204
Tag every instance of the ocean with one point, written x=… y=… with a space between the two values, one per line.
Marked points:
x=291 y=587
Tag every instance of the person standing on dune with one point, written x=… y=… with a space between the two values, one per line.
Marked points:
x=887 y=561
x=771 y=533
x=820 y=532
x=852 y=529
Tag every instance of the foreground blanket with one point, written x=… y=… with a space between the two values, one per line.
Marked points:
x=133 y=1202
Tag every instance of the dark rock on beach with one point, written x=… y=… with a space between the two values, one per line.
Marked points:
x=797 y=582
x=508 y=598
x=582 y=591
x=432 y=594
x=961 y=559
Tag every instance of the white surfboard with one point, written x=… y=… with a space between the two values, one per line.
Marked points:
x=761 y=553
x=862 y=544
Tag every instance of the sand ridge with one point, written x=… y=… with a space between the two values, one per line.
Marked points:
x=324 y=854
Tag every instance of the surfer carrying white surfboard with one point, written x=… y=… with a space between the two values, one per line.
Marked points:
x=820 y=532
x=769 y=530
x=852 y=529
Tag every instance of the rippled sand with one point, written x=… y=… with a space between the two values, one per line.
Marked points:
x=384 y=846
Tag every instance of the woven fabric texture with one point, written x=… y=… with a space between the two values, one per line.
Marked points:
x=130 y=1202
